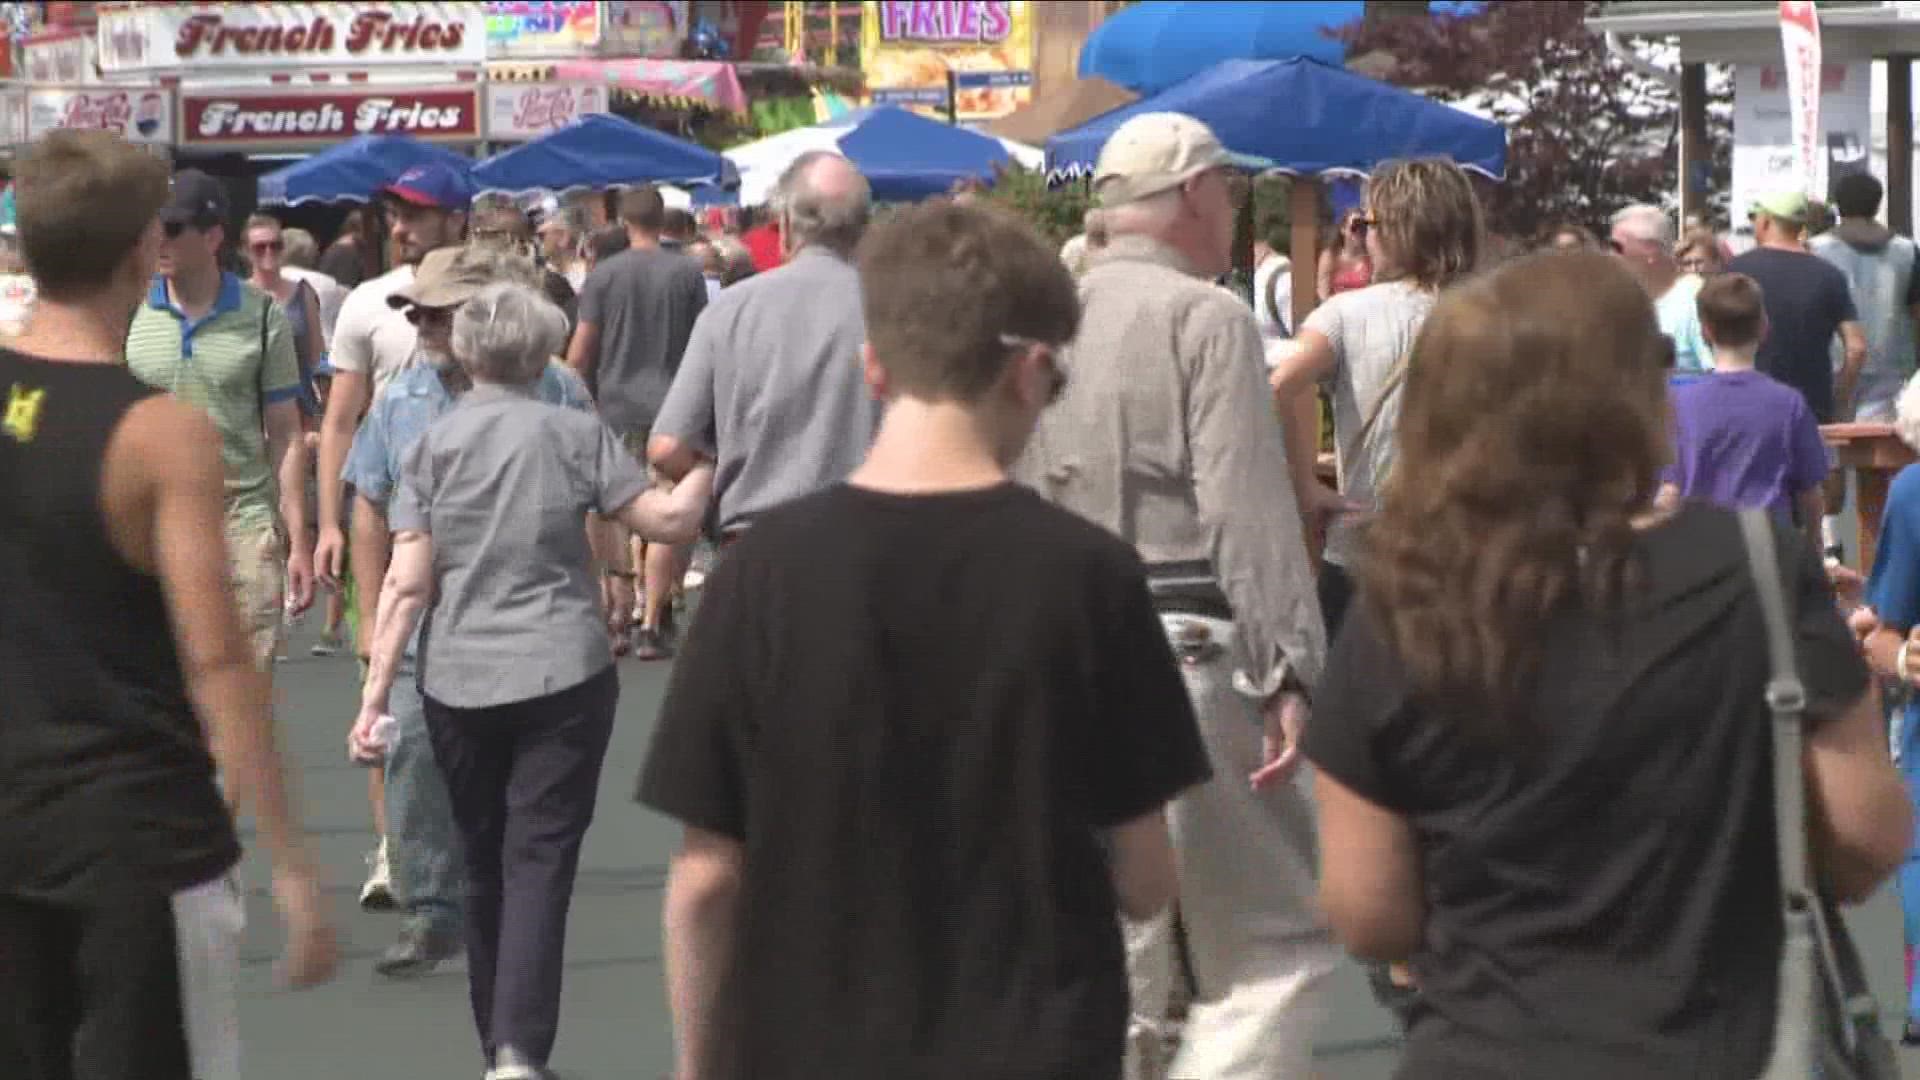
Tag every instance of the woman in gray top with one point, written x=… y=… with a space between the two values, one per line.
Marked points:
x=490 y=540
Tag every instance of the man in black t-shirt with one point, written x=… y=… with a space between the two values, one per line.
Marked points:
x=923 y=729
x=1808 y=302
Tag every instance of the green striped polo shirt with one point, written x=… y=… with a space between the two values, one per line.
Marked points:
x=217 y=363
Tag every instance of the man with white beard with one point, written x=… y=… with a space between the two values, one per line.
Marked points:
x=426 y=861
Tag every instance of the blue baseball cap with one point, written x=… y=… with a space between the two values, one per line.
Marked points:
x=437 y=186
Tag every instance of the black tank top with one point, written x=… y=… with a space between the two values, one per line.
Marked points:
x=106 y=784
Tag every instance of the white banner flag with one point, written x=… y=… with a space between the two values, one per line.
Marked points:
x=1800 y=38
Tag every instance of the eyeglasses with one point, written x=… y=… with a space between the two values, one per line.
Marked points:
x=268 y=246
x=425 y=316
x=1056 y=375
x=1695 y=265
x=173 y=229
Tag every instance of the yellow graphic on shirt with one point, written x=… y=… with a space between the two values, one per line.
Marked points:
x=22 y=418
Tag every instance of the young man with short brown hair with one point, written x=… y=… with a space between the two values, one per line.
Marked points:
x=1741 y=438
x=128 y=674
x=924 y=726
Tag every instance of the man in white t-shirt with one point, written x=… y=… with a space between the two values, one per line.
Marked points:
x=372 y=342
x=1272 y=296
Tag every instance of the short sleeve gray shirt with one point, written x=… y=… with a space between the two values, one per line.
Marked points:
x=772 y=387
x=502 y=484
x=643 y=304
x=1371 y=331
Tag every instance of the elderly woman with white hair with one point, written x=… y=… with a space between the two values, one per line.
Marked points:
x=490 y=542
x=1893 y=595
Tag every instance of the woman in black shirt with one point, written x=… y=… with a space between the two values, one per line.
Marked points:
x=1544 y=754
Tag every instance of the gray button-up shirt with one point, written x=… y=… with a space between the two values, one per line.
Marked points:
x=1166 y=436
x=502 y=484
x=771 y=386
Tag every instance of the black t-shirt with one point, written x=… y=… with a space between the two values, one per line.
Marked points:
x=918 y=713
x=106 y=784
x=1806 y=300
x=1605 y=904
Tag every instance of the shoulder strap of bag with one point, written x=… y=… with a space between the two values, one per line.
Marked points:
x=1787 y=700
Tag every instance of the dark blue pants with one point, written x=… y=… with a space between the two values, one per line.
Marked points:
x=522 y=778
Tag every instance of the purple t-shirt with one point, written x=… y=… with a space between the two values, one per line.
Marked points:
x=1743 y=439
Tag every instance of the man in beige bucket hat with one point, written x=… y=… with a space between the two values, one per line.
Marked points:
x=1165 y=436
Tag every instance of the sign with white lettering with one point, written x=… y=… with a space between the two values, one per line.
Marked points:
x=136 y=114
x=225 y=37
x=281 y=119
x=518 y=111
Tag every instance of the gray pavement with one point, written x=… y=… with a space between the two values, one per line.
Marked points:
x=614 y=1021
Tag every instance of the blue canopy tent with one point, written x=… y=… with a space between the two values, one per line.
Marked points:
x=1302 y=117
x=601 y=151
x=352 y=171
x=906 y=156
x=1153 y=45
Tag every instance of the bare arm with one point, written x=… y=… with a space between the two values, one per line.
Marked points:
x=1370 y=884
x=287 y=445
x=372 y=546
x=409 y=583
x=671 y=516
x=1142 y=865
x=671 y=456
x=1808 y=506
x=701 y=912
x=583 y=352
x=345 y=404
x=1861 y=820
x=1323 y=274
x=173 y=452
x=1853 y=339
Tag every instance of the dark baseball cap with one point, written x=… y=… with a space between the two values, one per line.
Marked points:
x=196 y=199
x=437 y=186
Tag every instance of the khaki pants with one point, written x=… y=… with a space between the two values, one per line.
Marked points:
x=1259 y=950
x=257 y=559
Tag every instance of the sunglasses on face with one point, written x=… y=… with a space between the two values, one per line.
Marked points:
x=426 y=316
x=172 y=229
x=268 y=246
x=1056 y=376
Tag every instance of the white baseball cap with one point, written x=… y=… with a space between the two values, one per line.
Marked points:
x=1153 y=152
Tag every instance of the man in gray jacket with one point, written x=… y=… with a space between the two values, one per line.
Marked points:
x=1165 y=436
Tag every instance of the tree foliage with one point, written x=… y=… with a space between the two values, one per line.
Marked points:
x=1588 y=131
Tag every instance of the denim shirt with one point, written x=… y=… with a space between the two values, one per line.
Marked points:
x=401 y=415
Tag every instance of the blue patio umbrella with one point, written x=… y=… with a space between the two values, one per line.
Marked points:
x=353 y=171
x=1151 y=46
x=602 y=151
x=1302 y=117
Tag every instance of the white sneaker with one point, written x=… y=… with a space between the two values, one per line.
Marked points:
x=377 y=893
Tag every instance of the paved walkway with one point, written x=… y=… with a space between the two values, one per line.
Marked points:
x=614 y=1023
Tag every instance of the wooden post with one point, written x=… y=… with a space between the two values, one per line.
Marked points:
x=1900 y=144
x=1303 y=212
x=1695 y=150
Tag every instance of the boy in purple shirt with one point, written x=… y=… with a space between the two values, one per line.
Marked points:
x=1742 y=439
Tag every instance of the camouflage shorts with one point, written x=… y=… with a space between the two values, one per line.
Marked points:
x=257 y=559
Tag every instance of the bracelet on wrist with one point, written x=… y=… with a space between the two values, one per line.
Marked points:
x=1900 y=660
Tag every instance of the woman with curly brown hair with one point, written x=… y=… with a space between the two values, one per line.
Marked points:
x=1542 y=740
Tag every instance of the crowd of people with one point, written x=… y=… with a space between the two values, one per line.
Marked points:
x=1039 y=680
